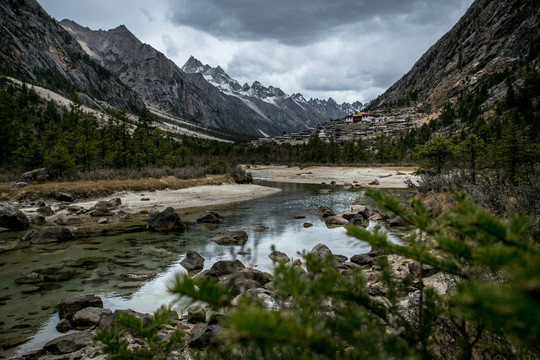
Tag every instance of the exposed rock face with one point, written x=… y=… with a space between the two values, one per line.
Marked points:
x=492 y=36
x=238 y=237
x=167 y=220
x=12 y=218
x=286 y=110
x=201 y=93
x=36 y=48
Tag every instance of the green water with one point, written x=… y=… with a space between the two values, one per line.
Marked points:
x=99 y=259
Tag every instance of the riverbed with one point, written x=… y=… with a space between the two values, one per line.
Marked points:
x=104 y=261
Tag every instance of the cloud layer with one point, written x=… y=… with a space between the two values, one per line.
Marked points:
x=346 y=49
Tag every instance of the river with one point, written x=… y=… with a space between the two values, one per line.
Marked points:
x=98 y=261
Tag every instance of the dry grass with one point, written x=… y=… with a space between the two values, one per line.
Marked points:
x=87 y=189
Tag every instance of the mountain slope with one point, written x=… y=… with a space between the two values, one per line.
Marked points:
x=271 y=101
x=33 y=47
x=492 y=36
x=165 y=87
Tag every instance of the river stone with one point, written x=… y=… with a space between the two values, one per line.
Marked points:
x=166 y=220
x=69 y=343
x=361 y=209
x=105 y=207
x=224 y=267
x=63 y=326
x=68 y=307
x=374 y=182
x=203 y=335
x=358 y=220
x=196 y=314
x=12 y=218
x=65 y=197
x=208 y=273
x=397 y=221
x=19 y=185
x=336 y=220
x=210 y=217
x=299 y=216
x=14 y=341
x=238 y=284
x=279 y=257
x=307 y=224
x=87 y=317
x=238 y=237
x=320 y=250
x=192 y=261
x=324 y=211
x=145 y=318
x=362 y=259
x=49 y=235
x=253 y=274
x=45 y=210
x=41 y=174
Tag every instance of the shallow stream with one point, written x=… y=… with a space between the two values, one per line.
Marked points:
x=104 y=261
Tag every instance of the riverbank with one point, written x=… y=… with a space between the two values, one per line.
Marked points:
x=382 y=177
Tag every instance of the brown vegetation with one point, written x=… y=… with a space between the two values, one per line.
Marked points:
x=85 y=189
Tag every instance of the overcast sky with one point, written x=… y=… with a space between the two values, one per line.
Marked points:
x=345 y=49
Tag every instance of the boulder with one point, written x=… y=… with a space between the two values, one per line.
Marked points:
x=210 y=217
x=65 y=197
x=45 y=210
x=49 y=235
x=12 y=218
x=238 y=237
x=374 y=182
x=87 y=317
x=238 y=284
x=279 y=257
x=41 y=174
x=336 y=220
x=166 y=220
x=361 y=209
x=105 y=207
x=145 y=318
x=68 y=307
x=202 y=335
x=259 y=228
x=19 y=185
x=192 y=261
x=307 y=224
x=69 y=343
x=362 y=259
x=320 y=250
x=324 y=211
x=298 y=216
x=196 y=314
x=396 y=221
x=63 y=326
x=357 y=221
x=253 y=274
x=224 y=267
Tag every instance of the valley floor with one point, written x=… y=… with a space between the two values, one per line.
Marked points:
x=386 y=177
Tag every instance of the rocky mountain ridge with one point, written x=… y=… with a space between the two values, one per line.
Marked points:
x=329 y=109
x=34 y=48
x=492 y=37
x=200 y=93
